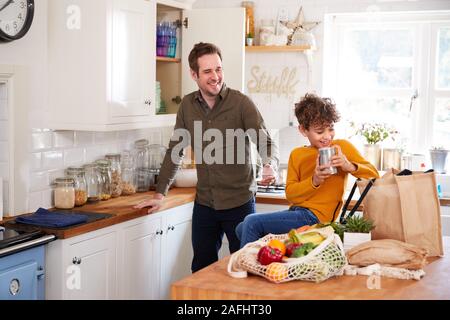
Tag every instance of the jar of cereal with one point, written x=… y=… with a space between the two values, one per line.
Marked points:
x=104 y=168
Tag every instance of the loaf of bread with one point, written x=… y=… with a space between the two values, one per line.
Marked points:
x=387 y=252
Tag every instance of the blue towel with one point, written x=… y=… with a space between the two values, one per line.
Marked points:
x=53 y=219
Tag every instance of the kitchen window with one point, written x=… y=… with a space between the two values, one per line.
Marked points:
x=392 y=68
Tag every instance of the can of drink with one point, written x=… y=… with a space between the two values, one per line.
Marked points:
x=325 y=157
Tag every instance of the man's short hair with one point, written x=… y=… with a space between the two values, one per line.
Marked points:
x=199 y=50
x=313 y=110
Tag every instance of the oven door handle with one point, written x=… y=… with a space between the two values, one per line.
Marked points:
x=27 y=244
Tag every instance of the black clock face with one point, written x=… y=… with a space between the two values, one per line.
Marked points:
x=16 y=17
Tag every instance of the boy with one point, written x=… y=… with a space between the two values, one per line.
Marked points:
x=314 y=192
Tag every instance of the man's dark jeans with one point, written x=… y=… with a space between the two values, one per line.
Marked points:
x=208 y=227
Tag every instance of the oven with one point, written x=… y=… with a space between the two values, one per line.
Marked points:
x=22 y=264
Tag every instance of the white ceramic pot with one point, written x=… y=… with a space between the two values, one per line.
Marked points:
x=186 y=178
x=352 y=239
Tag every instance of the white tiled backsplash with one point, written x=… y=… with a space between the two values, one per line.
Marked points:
x=53 y=151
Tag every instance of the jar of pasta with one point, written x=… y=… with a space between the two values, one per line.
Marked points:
x=104 y=169
x=116 y=174
x=78 y=175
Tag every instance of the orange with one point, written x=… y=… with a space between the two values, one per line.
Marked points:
x=277 y=272
x=277 y=244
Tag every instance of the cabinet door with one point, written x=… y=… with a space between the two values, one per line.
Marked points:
x=225 y=27
x=132 y=67
x=139 y=270
x=176 y=255
x=96 y=259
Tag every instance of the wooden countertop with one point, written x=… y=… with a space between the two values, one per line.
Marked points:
x=121 y=209
x=214 y=283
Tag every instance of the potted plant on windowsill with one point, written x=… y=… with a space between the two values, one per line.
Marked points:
x=357 y=230
x=373 y=133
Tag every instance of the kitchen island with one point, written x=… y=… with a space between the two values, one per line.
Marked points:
x=214 y=283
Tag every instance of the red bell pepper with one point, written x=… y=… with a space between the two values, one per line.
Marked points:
x=267 y=255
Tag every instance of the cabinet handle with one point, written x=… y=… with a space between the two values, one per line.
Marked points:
x=159 y=232
x=76 y=260
x=148 y=102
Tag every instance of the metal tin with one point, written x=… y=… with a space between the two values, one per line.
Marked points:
x=325 y=157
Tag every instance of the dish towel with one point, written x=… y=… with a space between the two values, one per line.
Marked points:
x=53 y=219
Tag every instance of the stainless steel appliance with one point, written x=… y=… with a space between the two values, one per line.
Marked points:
x=22 y=264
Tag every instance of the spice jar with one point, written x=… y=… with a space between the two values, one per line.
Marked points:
x=128 y=174
x=78 y=176
x=116 y=174
x=93 y=182
x=104 y=168
x=64 y=193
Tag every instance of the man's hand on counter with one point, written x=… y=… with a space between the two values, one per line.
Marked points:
x=155 y=203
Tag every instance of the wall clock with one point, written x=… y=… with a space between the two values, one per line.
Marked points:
x=16 y=17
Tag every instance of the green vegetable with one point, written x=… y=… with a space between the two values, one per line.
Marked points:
x=358 y=225
x=303 y=250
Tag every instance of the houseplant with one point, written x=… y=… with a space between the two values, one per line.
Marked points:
x=357 y=229
x=373 y=133
x=438 y=157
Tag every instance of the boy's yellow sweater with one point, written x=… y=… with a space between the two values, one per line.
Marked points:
x=324 y=201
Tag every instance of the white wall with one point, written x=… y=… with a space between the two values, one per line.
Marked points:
x=277 y=109
x=49 y=153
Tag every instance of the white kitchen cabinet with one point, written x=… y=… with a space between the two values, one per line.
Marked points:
x=225 y=27
x=101 y=74
x=136 y=259
x=139 y=262
x=176 y=247
x=82 y=267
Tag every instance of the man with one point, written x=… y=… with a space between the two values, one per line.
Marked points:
x=226 y=184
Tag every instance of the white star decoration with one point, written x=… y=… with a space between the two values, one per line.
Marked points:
x=298 y=25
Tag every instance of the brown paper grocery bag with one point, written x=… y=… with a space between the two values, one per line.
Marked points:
x=405 y=208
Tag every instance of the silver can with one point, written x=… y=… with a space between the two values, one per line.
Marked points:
x=325 y=157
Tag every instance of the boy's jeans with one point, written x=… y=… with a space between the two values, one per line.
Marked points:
x=257 y=225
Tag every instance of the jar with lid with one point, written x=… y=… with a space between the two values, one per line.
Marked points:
x=142 y=169
x=64 y=193
x=93 y=182
x=104 y=169
x=249 y=19
x=128 y=174
x=116 y=174
x=266 y=32
x=78 y=175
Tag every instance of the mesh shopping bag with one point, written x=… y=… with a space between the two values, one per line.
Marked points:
x=325 y=261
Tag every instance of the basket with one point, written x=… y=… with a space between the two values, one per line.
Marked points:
x=325 y=261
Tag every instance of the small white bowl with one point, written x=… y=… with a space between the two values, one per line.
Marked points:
x=186 y=178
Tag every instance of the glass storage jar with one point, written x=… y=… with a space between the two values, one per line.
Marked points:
x=116 y=174
x=128 y=174
x=142 y=169
x=78 y=175
x=104 y=169
x=93 y=182
x=64 y=193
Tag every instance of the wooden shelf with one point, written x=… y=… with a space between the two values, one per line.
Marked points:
x=277 y=48
x=166 y=59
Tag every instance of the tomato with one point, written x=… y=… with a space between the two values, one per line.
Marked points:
x=303 y=228
x=277 y=244
x=277 y=272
